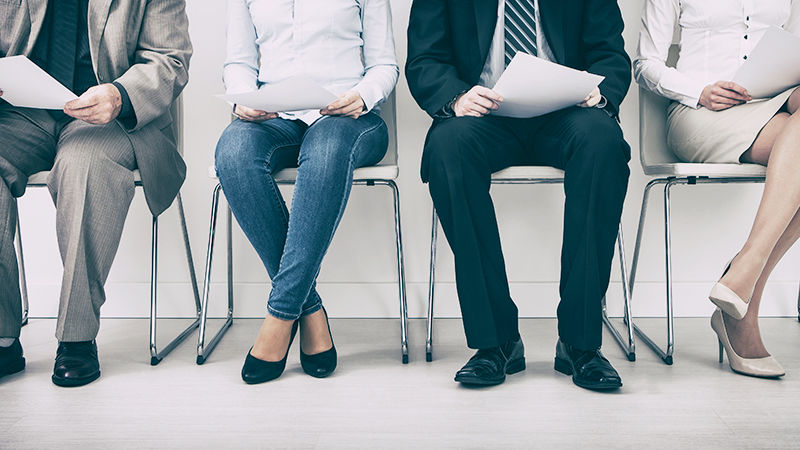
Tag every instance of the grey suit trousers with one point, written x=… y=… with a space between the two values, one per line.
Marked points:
x=92 y=185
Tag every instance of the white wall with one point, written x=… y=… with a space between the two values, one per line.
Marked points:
x=358 y=275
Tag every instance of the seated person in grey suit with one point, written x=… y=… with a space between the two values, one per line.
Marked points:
x=127 y=68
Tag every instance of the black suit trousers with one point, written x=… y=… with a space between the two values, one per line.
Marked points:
x=459 y=158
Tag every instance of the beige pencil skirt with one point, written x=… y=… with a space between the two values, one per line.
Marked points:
x=705 y=136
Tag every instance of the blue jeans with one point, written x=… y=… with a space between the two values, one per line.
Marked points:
x=292 y=246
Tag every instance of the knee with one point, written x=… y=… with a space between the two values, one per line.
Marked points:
x=599 y=143
x=448 y=145
x=234 y=148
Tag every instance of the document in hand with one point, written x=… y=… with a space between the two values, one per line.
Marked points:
x=293 y=94
x=26 y=85
x=533 y=87
x=773 y=66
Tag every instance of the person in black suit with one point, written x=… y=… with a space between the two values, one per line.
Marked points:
x=456 y=48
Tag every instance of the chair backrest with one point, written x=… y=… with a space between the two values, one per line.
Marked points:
x=176 y=111
x=389 y=115
x=653 y=148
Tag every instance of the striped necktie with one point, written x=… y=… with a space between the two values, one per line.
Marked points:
x=63 y=41
x=520 y=28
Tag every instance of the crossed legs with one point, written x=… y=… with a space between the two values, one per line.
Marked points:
x=776 y=226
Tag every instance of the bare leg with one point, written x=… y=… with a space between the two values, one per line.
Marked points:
x=314 y=335
x=779 y=203
x=273 y=339
x=744 y=334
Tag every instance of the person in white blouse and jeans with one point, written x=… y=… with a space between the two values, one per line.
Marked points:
x=714 y=120
x=347 y=46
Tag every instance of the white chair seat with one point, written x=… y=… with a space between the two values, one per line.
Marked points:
x=706 y=170
x=528 y=173
x=40 y=178
x=387 y=172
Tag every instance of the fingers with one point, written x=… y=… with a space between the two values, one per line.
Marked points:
x=488 y=94
x=737 y=89
x=350 y=104
x=1 y=92
x=253 y=115
x=87 y=100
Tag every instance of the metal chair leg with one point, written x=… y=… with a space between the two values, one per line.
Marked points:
x=798 y=307
x=400 y=273
x=23 y=281
x=629 y=348
x=431 y=286
x=156 y=356
x=203 y=350
x=189 y=257
x=665 y=355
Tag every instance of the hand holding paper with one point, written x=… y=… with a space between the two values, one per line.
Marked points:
x=533 y=87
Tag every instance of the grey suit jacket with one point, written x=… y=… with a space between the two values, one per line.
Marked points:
x=142 y=44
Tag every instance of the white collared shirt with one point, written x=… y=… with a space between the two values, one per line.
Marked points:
x=341 y=44
x=716 y=37
x=496 y=61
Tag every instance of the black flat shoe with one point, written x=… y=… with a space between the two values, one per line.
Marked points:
x=76 y=364
x=12 y=359
x=490 y=366
x=320 y=365
x=256 y=371
x=589 y=368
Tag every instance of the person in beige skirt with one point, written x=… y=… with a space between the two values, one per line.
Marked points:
x=714 y=120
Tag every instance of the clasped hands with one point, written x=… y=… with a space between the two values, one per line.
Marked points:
x=350 y=104
x=97 y=106
x=480 y=101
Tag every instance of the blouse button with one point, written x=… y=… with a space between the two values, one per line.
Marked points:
x=745 y=36
x=745 y=56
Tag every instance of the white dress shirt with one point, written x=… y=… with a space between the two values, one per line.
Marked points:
x=342 y=44
x=716 y=37
x=496 y=61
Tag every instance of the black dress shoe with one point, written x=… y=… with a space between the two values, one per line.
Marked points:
x=589 y=368
x=11 y=359
x=256 y=371
x=76 y=364
x=320 y=365
x=491 y=365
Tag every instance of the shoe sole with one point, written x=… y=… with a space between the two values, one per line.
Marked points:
x=17 y=367
x=565 y=367
x=516 y=366
x=75 y=382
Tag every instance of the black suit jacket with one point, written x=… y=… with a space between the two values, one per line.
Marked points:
x=449 y=40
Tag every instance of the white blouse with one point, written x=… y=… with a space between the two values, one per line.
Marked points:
x=342 y=44
x=716 y=37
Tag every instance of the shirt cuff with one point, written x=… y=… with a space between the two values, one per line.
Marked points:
x=126 y=115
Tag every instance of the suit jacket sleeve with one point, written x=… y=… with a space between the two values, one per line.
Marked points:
x=604 y=50
x=431 y=71
x=160 y=67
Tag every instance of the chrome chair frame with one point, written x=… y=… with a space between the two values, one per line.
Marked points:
x=553 y=176
x=156 y=355
x=287 y=177
x=658 y=161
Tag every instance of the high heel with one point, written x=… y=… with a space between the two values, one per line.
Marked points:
x=320 y=365
x=257 y=371
x=727 y=300
x=767 y=367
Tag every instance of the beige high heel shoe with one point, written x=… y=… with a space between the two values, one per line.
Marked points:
x=727 y=300
x=767 y=367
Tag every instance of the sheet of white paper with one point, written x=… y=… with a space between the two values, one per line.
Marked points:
x=773 y=66
x=293 y=94
x=533 y=87
x=26 y=85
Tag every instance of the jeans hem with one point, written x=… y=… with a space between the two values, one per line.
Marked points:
x=281 y=315
x=311 y=310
